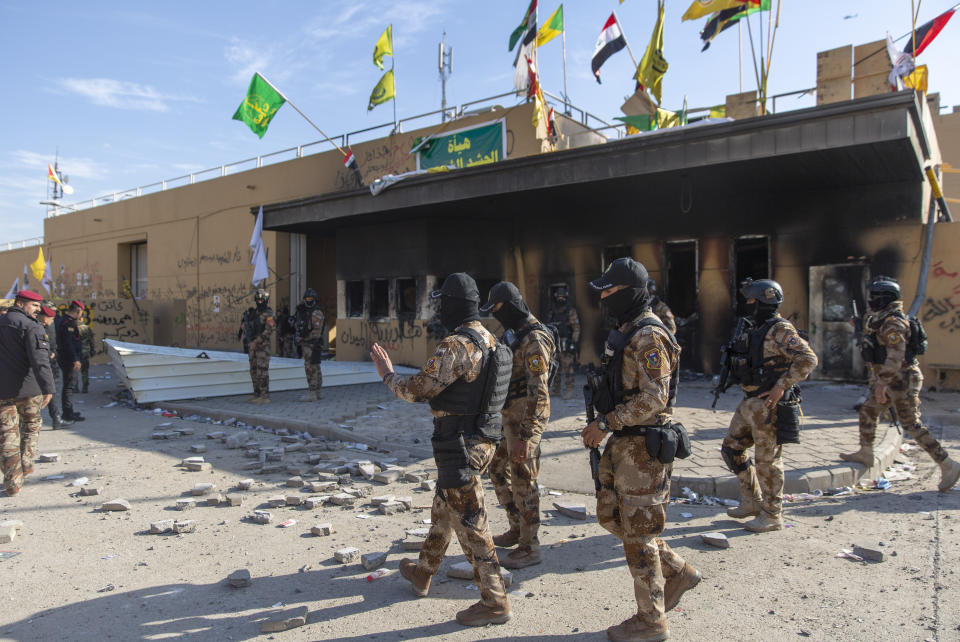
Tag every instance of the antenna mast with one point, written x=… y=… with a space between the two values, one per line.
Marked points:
x=445 y=64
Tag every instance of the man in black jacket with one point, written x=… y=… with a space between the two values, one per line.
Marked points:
x=47 y=317
x=69 y=353
x=26 y=387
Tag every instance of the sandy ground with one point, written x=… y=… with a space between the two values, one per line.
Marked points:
x=781 y=585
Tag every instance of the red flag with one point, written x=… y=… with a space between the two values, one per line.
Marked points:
x=925 y=33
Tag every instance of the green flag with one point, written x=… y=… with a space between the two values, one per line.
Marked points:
x=640 y=123
x=552 y=28
x=383 y=92
x=529 y=20
x=384 y=47
x=653 y=65
x=260 y=104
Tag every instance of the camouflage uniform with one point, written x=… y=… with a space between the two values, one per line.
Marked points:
x=457 y=510
x=632 y=503
x=525 y=415
x=86 y=340
x=259 y=353
x=311 y=341
x=902 y=379
x=665 y=314
x=754 y=424
x=567 y=321
x=20 y=423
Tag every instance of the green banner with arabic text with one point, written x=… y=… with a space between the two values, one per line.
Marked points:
x=468 y=147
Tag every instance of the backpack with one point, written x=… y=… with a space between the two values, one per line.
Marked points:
x=917 y=344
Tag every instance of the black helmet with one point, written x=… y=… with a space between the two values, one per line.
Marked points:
x=459 y=285
x=651 y=286
x=883 y=290
x=623 y=271
x=310 y=297
x=261 y=296
x=560 y=292
x=503 y=292
x=765 y=291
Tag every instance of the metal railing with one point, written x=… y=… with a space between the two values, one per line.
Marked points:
x=15 y=245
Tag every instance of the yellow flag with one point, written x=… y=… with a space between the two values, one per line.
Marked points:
x=917 y=79
x=38 y=267
x=653 y=65
x=383 y=92
x=701 y=8
x=384 y=47
x=552 y=28
x=667 y=118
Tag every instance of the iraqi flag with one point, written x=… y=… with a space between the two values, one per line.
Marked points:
x=350 y=163
x=611 y=41
x=925 y=33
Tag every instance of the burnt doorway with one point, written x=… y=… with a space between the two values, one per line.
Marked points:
x=832 y=288
x=751 y=259
x=680 y=293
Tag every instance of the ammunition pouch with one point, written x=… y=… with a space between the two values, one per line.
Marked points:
x=317 y=352
x=871 y=351
x=603 y=399
x=728 y=455
x=664 y=443
x=789 y=417
x=450 y=450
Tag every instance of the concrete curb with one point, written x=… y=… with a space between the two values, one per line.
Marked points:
x=833 y=475
x=329 y=430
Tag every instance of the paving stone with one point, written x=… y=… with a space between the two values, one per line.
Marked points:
x=295 y=482
x=373 y=561
x=185 y=504
x=192 y=460
x=294 y=500
x=116 y=505
x=428 y=484
x=574 y=511
x=160 y=434
x=715 y=539
x=296 y=471
x=343 y=499
x=254 y=465
x=292 y=448
x=215 y=435
x=184 y=431
x=285 y=620
x=362 y=490
x=367 y=471
x=215 y=500
x=388 y=476
x=382 y=499
x=414 y=538
x=89 y=491
x=406 y=501
x=163 y=526
x=392 y=508
x=239 y=579
x=271 y=469
x=385 y=462
x=321 y=530
x=868 y=553
x=464 y=571
x=347 y=555
x=204 y=488
x=261 y=517
x=234 y=499
x=198 y=468
x=184 y=526
x=48 y=458
x=245 y=484
x=416 y=477
x=198 y=448
x=321 y=486
x=289 y=439
x=276 y=501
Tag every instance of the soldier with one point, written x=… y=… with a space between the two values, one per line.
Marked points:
x=772 y=359
x=890 y=347
x=661 y=309
x=47 y=317
x=69 y=352
x=287 y=334
x=26 y=387
x=516 y=463
x=87 y=349
x=311 y=324
x=565 y=319
x=465 y=382
x=639 y=381
x=257 y=329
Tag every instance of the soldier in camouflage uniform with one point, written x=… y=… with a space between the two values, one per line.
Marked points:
x=460 y=364
x=516 y=463
x=771 y=399
x=635 y=487
x=257 y=331
x=311 y=324
x=661 y=309
x=565 y=319
x=87 y=350
x=895 y=378
x=26 y=387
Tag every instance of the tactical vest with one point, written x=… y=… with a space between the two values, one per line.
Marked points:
x=608 y=387
x=518 y=386
x=560 y=320
x=747 y=364
x=305 y=321
x=873 y=352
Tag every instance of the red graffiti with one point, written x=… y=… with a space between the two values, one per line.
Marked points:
x=940 y=271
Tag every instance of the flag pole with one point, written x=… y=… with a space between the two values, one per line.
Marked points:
x=563 y=36
x=393 y=68
x=296 y=109
x=625 y=41
x=740 y=52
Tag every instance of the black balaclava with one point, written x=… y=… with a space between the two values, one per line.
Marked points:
x=627 y=304
x=879 y=301
x=455 y=311
x=512 y=316
x=760 y=312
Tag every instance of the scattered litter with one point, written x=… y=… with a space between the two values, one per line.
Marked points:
x=109 y=557
x=110 y=405
x=874 y=484
x=906 y=447
x=472 y=587
x=287 y=524
x=715 y=539
x=896 y=475
x=555 y=493
x=278 y=605
x=838 y=492
x=686 y=515
x=106 y=589
x=926 y=514
x=79 y=481
x=52 y=477
x=376 y=575
x=689 y=494
x=362 y=516
x=168 y=414
x=381 y=407
x=849 y=554
x=518 y=593
x=798 y=497
x=426 y=521
x=5 y=555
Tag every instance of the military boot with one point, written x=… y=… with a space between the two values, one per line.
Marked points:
x=523 y=557
x=749 y=507
x=634 y=629
x=949 y=474
x=252 y=399
x=764 y=523
x=419 y=580
x=507 y=539
x=863 y=456
x=261 y=400
x=481 y=615
x=309 y=396
x=676 y=586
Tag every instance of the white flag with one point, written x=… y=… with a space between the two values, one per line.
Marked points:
x=47 y=281
x=521 y=72
x=902 y=63
x=259 y=259
x=12 y=294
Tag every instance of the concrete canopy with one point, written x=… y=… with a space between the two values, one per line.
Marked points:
x=862 y=143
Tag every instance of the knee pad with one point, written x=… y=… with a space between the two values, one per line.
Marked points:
x=729 y=454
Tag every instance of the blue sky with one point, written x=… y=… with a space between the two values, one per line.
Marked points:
x=134 y=93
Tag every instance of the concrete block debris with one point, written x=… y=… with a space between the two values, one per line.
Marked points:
x=204 y=488
x=284 y=620
x=115 y=505
x=245 y=484
x=382 y=499
x=277 y=501
x=320 y=486
x=48 y=458
x=295 y=482
x=718 y=540
x=88 y=491
x=574 y=511
x=261 y=517
x=234 y=499
x=321 y=530
x=185 y=504
x=428 y=485
x=347 y=555
x=388 y=476
x=464 y=571
x=373 y=561
x=181 y=526
x=343 y=499
x=870 y=554
x=414 y=538
x=161 y=527
x=392 y=508
x=198 y=448
x=294 y=500
x=239 y=579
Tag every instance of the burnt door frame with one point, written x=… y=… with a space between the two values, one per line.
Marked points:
x=818 y=328
x=736 y=303
x=688 y=325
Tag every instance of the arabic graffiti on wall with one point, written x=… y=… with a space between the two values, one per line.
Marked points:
x=944 y=310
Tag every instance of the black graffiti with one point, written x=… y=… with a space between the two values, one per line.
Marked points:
x=388 y=334
x=938 y=308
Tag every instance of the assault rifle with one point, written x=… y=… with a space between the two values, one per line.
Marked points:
x=858 y=335
x=725 y=356
x=594 y=452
